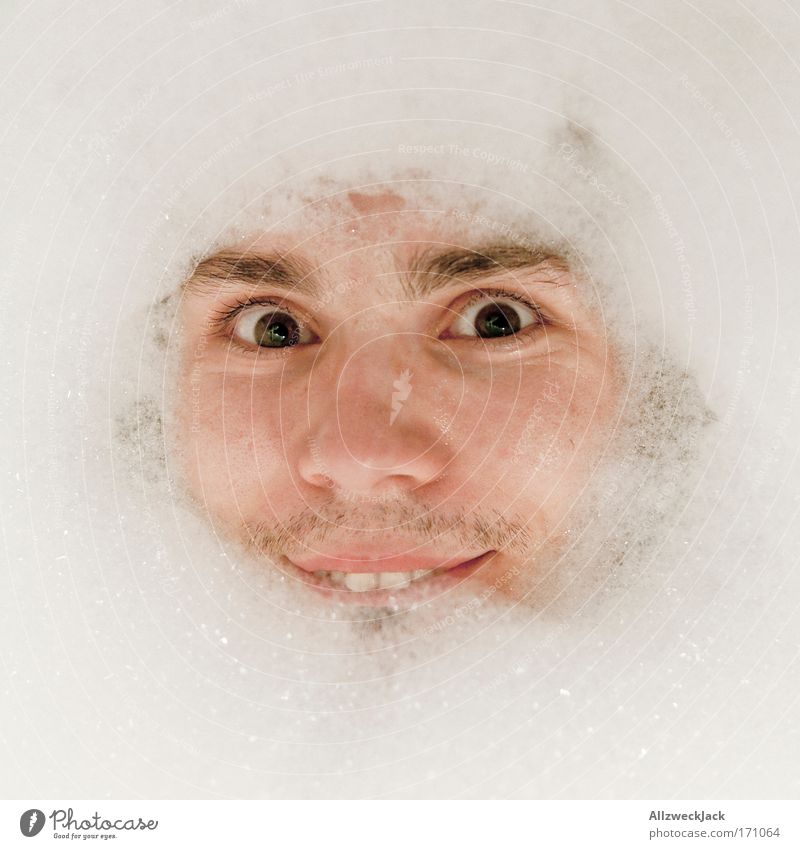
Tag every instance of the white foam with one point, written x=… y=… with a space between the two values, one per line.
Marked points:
x=145 y=656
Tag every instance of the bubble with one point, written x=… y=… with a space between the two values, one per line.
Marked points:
x=655 y=154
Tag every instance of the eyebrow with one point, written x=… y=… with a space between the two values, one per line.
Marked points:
x=232 y=268
x=430 y=271
x=434 y=269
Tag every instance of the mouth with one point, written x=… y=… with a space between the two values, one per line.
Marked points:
x=381 y=581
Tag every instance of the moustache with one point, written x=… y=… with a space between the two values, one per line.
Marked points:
x=416 y=526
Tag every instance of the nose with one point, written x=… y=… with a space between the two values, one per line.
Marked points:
x=373 y=423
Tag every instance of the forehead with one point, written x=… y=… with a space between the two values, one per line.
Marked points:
x=376 y=203
x=384 y=228
x=354 y=226
x=418 y=241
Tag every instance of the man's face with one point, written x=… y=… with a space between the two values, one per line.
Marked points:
x=385 y=402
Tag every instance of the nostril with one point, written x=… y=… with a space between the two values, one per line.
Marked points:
x=312 y=467
x=384 y=459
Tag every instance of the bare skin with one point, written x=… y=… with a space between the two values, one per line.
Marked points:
x=385 y=403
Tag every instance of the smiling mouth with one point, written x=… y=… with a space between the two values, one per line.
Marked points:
x=370 y=581
x=359 y=582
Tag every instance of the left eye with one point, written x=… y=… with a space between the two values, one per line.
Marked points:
x=268 y=327
x=490 y=317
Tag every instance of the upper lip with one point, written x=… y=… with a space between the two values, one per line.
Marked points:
x=382 y=562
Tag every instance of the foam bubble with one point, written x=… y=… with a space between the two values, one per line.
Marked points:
x=147 y=654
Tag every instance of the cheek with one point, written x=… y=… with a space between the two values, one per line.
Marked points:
x=234 y=440
x=538 y=432
x=563 y=433
x=506 y=409
x=533 y=433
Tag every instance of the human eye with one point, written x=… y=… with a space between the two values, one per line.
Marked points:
x=495 y=315
x=266 y=324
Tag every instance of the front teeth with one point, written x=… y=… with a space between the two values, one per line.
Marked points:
x=360 y=582
x=395 y=580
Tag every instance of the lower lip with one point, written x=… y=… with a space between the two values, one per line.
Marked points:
x=423 y=589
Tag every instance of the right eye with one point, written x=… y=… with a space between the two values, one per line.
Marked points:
x=268 y=326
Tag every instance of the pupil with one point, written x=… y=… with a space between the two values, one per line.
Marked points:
x=276 y=330
x=497 y=320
